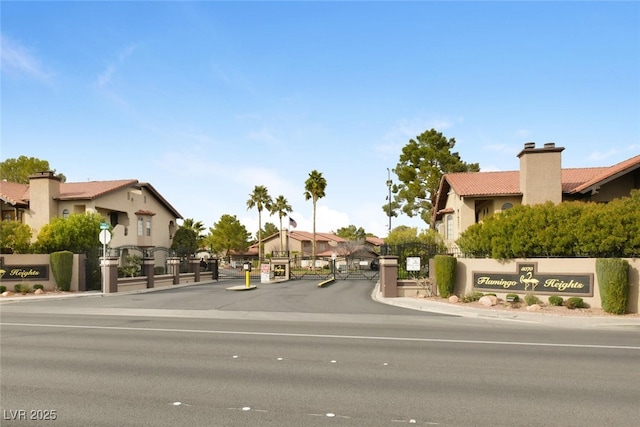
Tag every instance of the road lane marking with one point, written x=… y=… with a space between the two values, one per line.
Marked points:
x=326 y=336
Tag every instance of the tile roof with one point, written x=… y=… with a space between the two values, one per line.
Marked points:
x=488 y=184
x=507 y=183
x=92 y=189
x=18 y=194
x=14 y=194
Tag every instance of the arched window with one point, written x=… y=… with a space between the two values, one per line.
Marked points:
x=507 y=206
x=65 y=213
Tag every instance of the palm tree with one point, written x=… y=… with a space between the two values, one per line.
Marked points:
x=259 y=199
x=281 y=207
x=314 y=188
x=197 y=226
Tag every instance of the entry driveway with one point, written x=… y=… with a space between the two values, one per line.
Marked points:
x=298 y=296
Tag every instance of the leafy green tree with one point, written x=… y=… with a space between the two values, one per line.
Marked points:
x=78 y=234
x=185 y=242
x=15 y=237
x=259 y=199
x=228 y=234
x=18 y=170
x=269 y=229
x=401 y=235
x=314 y=187
x=281 y=207
x=422 y=164
x=351 y=233
x=198 y=227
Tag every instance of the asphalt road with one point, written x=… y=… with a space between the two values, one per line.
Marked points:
x=295 y=355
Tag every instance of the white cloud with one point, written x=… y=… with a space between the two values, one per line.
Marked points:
x=599 y=155
x=15 y=59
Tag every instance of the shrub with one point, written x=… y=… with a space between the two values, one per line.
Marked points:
x=471 y=297
x=3 y=289
x=158 y=270
x=38 y=286
x=445 y=272
x=62 y=269
x=22 y=288
x=513 y=298
x=613 y=282
x=531 y=299
x=574 y=302
x=556 y=300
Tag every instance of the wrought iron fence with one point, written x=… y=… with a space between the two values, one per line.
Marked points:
x=408 y=255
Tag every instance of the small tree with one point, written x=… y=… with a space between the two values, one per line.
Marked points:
x=613 y=283
x=15 y=237
x=228 y=234
x=185 y=242
x=445 y=272
x=62 y=269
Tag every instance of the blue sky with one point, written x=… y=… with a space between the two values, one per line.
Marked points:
x=205 y=100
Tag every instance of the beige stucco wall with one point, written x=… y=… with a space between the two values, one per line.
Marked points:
x=29 y=259
x=466 y=267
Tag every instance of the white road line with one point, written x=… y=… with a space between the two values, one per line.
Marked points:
x=344 y=337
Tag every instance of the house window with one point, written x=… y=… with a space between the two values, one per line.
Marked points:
x=449 y=230
x=65 y=213
x=140 y=226
x=148 y=226
x=507 y=206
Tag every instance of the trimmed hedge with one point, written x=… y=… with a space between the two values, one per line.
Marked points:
x=62 y=269
x=613 y=282
x=445 y=272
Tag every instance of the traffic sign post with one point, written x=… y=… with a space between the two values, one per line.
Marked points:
x=105 y=238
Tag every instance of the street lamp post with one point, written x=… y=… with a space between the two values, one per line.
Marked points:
x=389 y=185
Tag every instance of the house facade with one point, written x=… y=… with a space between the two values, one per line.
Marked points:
x=465 y=199
x=140 y=217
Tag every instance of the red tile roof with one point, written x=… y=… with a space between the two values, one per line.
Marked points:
x=481 y=184
x=14 y=194
x=18 y=194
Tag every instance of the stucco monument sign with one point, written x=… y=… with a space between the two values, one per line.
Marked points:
x=528 y=279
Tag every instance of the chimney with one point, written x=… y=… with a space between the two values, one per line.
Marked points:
x=541 y=173
x=44 y=192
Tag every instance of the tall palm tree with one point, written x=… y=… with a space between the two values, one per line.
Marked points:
x=281 y=207
x=314 y=188
x=259 y=199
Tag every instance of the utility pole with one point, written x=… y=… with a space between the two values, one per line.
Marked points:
x=389 y=185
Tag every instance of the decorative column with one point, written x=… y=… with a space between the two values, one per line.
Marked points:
x=148 y=267
x=389 y=276
x=194 y=267
x=173 y=264
x=109 y=269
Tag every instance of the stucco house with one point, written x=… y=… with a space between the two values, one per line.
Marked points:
x=140 y=216
x=464 y=199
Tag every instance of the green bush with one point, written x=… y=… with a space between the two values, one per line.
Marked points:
x=556 y=300
x=445 y=272
x=574 y=302
x=62 y=269
x=531 y=299
x=158 y=270
x=38 y=286
x=3 y=289
x=613 y=282
x=22 y=288
x=471 y=297
x=513 y=298
x=569 y=229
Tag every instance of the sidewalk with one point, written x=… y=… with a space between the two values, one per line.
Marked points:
x=541 y=318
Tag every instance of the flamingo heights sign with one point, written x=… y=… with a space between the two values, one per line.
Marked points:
x=527 y=279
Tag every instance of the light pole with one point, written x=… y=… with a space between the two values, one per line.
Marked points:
x=389 y=185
